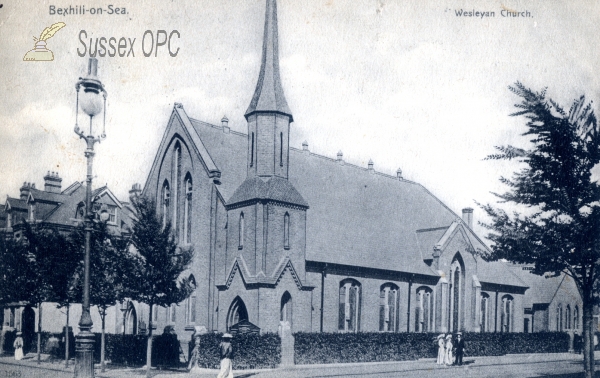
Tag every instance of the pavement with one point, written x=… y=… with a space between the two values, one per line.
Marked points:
x=556 y=365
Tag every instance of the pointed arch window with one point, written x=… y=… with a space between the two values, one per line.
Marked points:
x=568 y=317
x=485 y=312
x=349 y=310
x=559 y=320
x=576 y=318
x=252 y=151
x=286 y=231
x=241 y=231
x=506 y=316
x=456 y=294
x=176 y=179
x=389 y=301
x=165 y=199
x=190 y=304
x=187 y=209
x=424 y=310
x=281 y=149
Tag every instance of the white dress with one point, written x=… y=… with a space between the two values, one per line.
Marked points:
x=441 y=352
x=449 y=358
x=18 y=345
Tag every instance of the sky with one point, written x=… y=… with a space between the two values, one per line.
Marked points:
x=408 y=84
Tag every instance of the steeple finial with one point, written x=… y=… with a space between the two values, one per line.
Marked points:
x=268 y=95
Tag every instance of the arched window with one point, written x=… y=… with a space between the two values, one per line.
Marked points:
x=506 y=321
x=576 y=318
x=171 y=313
x=166 y=198
x=559 y=320
x=424 y=310
x=349 y=313
x=456 y=294
x=176 y=171
x=190 y=304
x=286 y=231
x=388 y=307
x=131 y=323
x=237 y=312
x=252 y=151
x=485 y=313
x=285 y=314
x=187 y=209
x=281 y=149
x=241 y=231
x=568 y=317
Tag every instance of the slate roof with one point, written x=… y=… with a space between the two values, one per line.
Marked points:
x=353 y=212
x=17 y=203
x=542 y=289
x=275 y=188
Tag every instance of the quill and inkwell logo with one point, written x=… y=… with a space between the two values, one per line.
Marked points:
x=40 y=52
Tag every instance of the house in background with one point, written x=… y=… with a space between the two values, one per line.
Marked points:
x=61 y=210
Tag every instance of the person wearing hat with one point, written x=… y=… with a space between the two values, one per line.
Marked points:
x=441 y=349
x=459 y=348
x=449 y=358
x=226 y=352
x=18 y=345
x=194 y=366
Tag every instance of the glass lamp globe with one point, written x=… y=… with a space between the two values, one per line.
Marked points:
x=104 y=215
x=90 y=99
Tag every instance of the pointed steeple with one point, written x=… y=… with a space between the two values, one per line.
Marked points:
x=268 y=96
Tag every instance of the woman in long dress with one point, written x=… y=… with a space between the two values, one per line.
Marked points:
x=449 y=360
x=441 y=349
x=18 y=345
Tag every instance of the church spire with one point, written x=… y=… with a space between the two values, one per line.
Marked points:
x=268 y=95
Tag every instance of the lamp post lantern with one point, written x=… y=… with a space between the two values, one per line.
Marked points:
x=91 y=98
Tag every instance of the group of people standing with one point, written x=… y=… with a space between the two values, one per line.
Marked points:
x=450 y=350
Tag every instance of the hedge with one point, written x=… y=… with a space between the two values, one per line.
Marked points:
x=249 y=351
x=324 y=348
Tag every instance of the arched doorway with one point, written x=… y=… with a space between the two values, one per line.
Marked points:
x=237 y=312
x=286 y=309
x=131 y=320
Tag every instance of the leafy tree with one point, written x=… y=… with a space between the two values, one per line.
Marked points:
x=44 y=269
x=557 y=221
x=159 y=264
x=110 y=262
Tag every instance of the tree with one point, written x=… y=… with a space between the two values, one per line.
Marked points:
x=110 y=263
x=44 y=269
x=557 y=221
x=159 y=265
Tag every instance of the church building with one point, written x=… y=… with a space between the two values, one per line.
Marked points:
x=285 y=236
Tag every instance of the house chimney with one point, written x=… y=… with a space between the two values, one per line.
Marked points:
x=24 y=191
x=467 y=216
x=371 y=170
x=134 y=193
x=52 y=182
x=225 y=124
x=399 y=174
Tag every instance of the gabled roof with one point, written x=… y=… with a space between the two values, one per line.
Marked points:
x=41 y=195
x=15 y=203
x=542 y=289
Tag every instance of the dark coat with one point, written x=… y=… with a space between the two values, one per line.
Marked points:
x=459 y=345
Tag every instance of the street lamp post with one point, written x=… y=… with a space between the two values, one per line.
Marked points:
x=91 y=98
